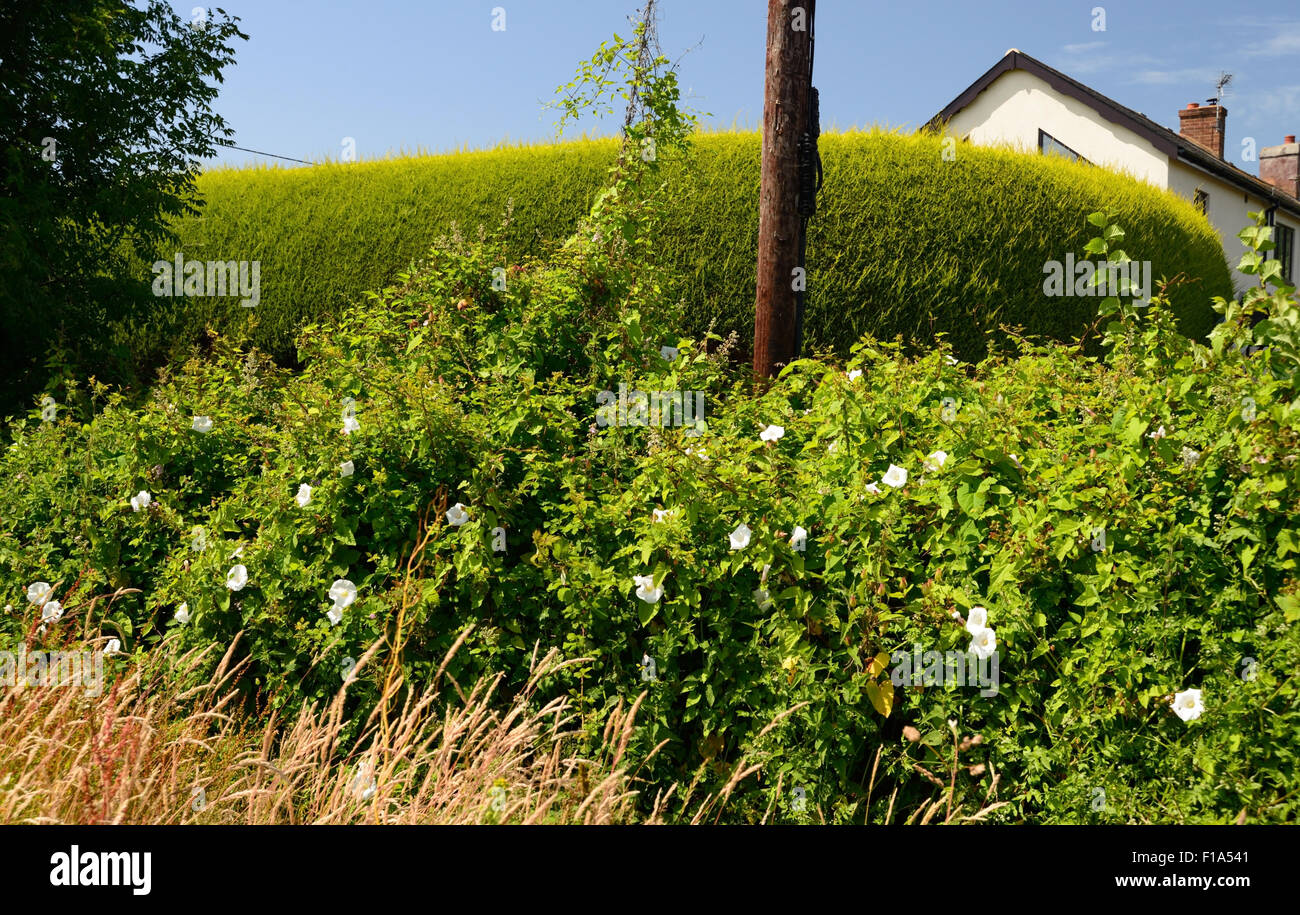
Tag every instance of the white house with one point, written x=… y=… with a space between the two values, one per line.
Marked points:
x=1023 y=103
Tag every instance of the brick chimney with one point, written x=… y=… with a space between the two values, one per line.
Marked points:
x=1280 y=166
x=1202 y=126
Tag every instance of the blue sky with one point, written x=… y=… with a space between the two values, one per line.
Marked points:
x=405 y=74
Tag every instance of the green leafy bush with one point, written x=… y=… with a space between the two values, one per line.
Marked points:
x=476 y=385
x=976 y=232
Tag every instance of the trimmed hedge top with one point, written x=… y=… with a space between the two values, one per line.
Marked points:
x=904 y=242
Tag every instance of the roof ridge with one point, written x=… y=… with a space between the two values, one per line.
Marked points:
x=1171 y=143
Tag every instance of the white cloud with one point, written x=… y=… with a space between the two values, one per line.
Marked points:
x=1285 y=40
x=1191 y=77
x=1274 y=104
x=1080 y=63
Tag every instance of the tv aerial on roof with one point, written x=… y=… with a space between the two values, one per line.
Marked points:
x=1219 y=86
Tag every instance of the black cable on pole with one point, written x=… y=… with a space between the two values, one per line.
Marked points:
x=260 y=153
x=810 y=179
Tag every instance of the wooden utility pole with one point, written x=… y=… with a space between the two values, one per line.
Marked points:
x=785 y=119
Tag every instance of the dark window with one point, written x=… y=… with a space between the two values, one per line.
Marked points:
x=1048 y=145
x=1284 y=237
x=1202 y=202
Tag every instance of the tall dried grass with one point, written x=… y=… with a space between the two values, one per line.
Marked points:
x=144 y=751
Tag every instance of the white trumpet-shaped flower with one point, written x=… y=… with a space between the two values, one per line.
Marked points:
x=661 y=514
x=350 y=424
x=976 y=620
x=934 y=463
x=334 y=615
x=771 y=433
x=457 y=515
x=113 y=647
x=646 y=590
x=183 y=614
x=1188 y=704
x=855 y=374
x=236 y=578
x=140 y=501
x=343 y=593
x=202 y=424
x=38 y=592
x=895 y=476
x=346 y=469
x=983 y=643
x=740 y=536
x=668 y=352
x=304 y=495
x=364 y=785
x=873 y=489
x=51 y=610
x=798 y=539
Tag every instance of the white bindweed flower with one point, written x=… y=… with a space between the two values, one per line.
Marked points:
x=977 y=619
x=935 y=461
x=350 y=424
x=456 y=515
x=202 y=424
x=660 y=514
x=873 y=489
x=140 y=501
x=668 y=352
x=771 y=433
x=1188 y=704
x=51 y=610
x=304 y=495
x=236 y=578
x=365 y=784
x=334 y=615
x=740 y=536
x=1015 y=460
x=113 y=647
x=983 y=643
x=49 y=409
x=646 y=590
x=855 y=374
x=895 y=476
x=952 y=360
x=38 y=592
x=346 y=469
x=183 y=614
x=1157 y=435
x=763 y=599
x=343 y=593
x=798 y=539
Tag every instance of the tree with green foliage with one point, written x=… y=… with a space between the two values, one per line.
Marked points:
x=105 y=115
